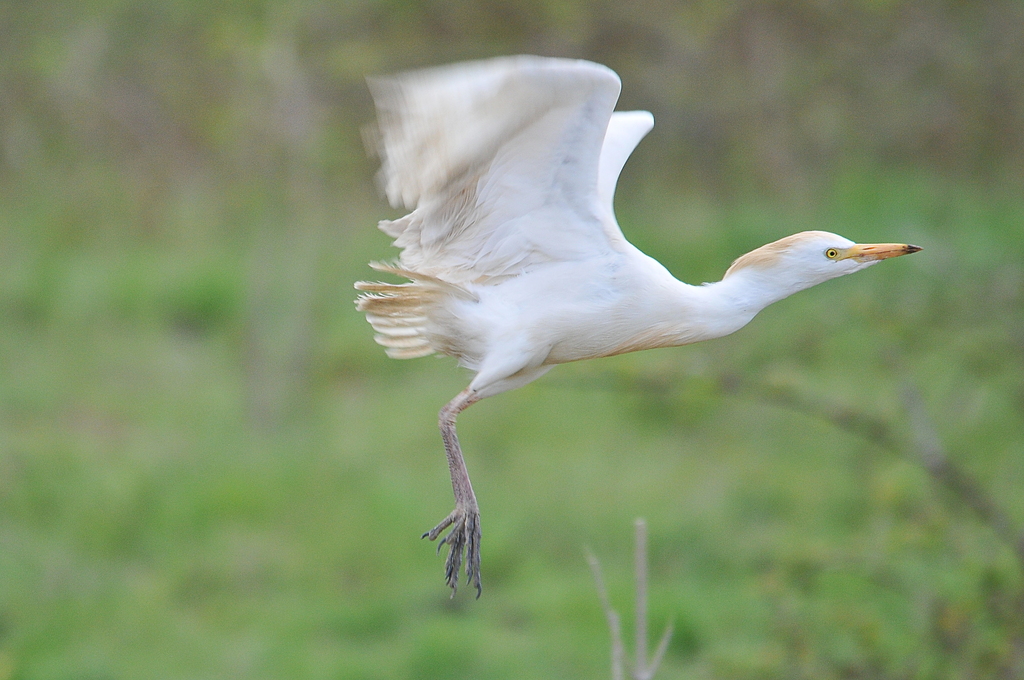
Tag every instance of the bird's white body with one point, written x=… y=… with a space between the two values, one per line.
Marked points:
x=620 y=302
x=515 y=258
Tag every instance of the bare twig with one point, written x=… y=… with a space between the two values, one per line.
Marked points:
x=642 y=669
x=845 y=418
x=926 y=447
x=640 y=565
x=933 y=457
x=915 y=437
x=659 y=653
x=614 y=624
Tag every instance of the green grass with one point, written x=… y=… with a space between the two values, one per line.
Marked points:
x=209 y=470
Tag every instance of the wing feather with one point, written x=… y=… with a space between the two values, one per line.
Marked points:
x=498 y=161
x=625 y=130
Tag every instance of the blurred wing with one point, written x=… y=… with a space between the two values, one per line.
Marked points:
x=625 y=130
x=498 y=160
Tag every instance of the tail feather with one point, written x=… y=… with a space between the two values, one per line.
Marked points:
x=401 y=312
x=409 y=353
x=379 y=322
x=394 y=331
x=392 y=304
x=401 y=343
x=380 y=287
x=417 y=277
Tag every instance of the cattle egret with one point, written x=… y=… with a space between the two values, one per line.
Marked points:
x=513 y=256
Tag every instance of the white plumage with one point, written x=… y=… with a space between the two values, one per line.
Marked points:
x=515 y=260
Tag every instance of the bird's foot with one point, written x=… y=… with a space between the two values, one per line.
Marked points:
x=464 y=537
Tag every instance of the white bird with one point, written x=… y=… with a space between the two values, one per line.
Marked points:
x=514 y=257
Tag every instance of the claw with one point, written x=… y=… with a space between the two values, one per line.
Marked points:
x=463 y=539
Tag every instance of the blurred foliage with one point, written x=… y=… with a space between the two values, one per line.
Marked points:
x=208 y=469
x=774 y=94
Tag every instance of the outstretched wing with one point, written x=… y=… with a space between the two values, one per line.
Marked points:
x=625 y=130
x=499 y=161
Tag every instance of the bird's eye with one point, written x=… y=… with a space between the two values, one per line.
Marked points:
x=831 y=253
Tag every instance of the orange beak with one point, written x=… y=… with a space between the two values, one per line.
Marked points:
x=878 y=251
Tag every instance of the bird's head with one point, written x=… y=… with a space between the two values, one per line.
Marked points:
x=817 y=256
x=811 y=257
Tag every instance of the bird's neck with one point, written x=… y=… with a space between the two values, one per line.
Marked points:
x=716 y=309
x=752 y=289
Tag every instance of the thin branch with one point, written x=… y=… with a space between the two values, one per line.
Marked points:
x=926 y=447
x=642 y=670
x=933 y=457
x=659 y=653
x=640 y=564
x=839 y=415
x=614 y=624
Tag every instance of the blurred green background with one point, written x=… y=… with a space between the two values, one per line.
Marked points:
x=209 y=470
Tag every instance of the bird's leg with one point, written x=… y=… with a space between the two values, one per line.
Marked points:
x=465 y=518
